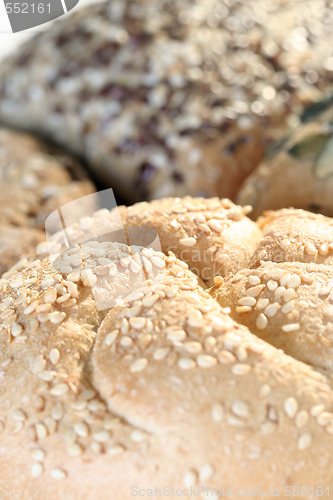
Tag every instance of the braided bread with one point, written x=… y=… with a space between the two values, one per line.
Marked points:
x=174 y=386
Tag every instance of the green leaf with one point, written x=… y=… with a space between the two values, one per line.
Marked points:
x=324 y=165
x=314 y=110
x=310 y=147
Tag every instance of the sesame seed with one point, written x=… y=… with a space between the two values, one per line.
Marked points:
x=310 y=249
x=193 y=347
x=19 y=415
x=285 y=243
x=261 y=304
x=111 y=337
x=54 y=356
x=74 y=276
x=31 y=308
x=292 y=327
x=57 y=412
x=138 y=436
x=241 y=353
x=279 y=292
x=226 y=357
x=304 y=441
x=36 y=470
x=38 y=454
x=51 y=425
x=324 y=290
x=63 y=298
x=243 y=309
x=150 y=300
x=137 y=323
x=81 y=429
x=272 y=285
x=49 y=296
x=316 y=410
x=101 y=436
x=41 y=431
x=291 y=407
x=206 y=472
x=58 y=474
x=74 y=450
x=217 y=412
x=188 y=242
x=158 y=262
x=126 y=341
x=190 y=479
x=323 y=249
x=240 y=369
x=265 y=390
x=247 y=301
x=254 y=291
x=302 y=419
x=57 y=317
x=253 y=280
x=240 y=408
x=215 y=225
x=176 y=335
x=16 y=329
x=161 y=353
x=186 y=363
x=38 y=364
x=261 y=322
x=325 y=418
x=139 y=365
x=218 y=280
x=206 y=361
x=288 y=307
x=59 y=390
x=116 y=450
x=70 y=436
x=272 y=309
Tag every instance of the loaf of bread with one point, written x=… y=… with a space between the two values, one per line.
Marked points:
x=171 y=98
x=299 y=172
x=36 y=179
x=174 y=386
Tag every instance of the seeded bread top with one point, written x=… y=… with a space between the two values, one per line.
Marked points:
x=164 y=387
x=175 y=97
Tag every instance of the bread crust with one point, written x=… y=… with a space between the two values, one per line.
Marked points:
x=164 y=101
x=172 y=386
x=36 y=179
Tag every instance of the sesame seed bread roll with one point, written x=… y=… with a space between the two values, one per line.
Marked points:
x=289 y=305
x=298 y=172
x=164 y=389
x=294 y=235
x=174 y=98
x=36 y=179
x=16 y=242
x=213 y=236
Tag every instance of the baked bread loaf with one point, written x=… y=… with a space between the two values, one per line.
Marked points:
x=305 y=154
x=174 y=98
x=165 y=389
x=214 y=237
x=36 y=179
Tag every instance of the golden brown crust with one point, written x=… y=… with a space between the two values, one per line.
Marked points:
x=164 y=387
x=36 y=179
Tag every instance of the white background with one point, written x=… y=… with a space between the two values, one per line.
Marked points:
x=9 y=42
